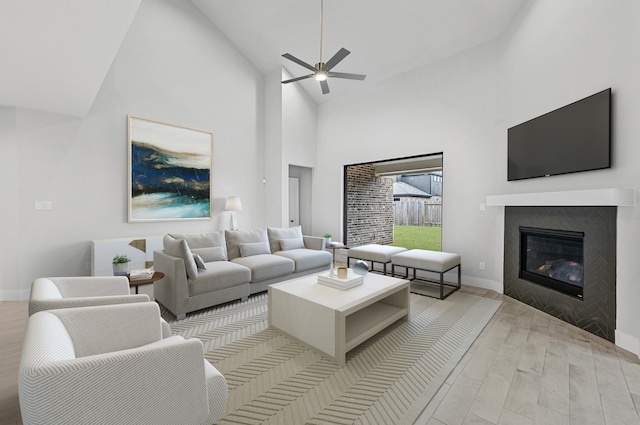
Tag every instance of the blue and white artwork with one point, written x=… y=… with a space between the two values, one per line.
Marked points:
x=170 y=171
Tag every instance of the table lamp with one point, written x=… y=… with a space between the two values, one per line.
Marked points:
x=233 y=204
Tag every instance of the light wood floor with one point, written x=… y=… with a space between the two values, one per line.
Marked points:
x=529 y=368
x=13 y=317
x=526 y=367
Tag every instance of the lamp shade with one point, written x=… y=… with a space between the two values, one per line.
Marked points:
x=233 y=204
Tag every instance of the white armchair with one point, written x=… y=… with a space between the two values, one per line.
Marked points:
x=48 y=293
x=110 y=364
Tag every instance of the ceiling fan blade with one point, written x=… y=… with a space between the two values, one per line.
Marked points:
x=325 y=87
x=342 y=53
x=298 y=61
x=297 y=79
x=347 y=76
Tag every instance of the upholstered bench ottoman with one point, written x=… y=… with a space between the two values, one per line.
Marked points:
x=374 y=253
x=430 y=261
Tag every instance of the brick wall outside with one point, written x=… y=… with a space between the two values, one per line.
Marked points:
x=370 y=208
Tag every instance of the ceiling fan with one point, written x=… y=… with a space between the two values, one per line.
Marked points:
x=322 y=70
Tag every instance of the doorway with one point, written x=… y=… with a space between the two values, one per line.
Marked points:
x=300 y=183
x=393 y=199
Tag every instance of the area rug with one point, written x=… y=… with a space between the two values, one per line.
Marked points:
x=388 y=379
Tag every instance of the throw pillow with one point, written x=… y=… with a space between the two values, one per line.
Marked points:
x=211 y=254
x=199 y=262
x=276 y=234
x=179 y=248
x=203 y=240
x=288 y=244
x=254 y=248
x=236 y=237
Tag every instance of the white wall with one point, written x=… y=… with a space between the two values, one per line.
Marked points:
x=449 y=107
x=300 y=147
x=561 y=52
x=275 y=178
x=556 y=53
x=173 y=66
x=291 y=128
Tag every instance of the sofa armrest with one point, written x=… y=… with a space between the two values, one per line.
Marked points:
x=163 y=382
x=314 y=242
x=172 y=290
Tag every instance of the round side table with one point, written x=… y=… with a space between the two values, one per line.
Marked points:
x=136 y=283
x=334 y=247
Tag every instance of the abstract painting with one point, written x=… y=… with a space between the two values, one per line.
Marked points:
x=169 y=171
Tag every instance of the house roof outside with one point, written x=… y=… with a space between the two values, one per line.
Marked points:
x=402 y=189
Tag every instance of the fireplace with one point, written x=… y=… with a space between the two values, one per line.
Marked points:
x=568 y=268
x=553 y=258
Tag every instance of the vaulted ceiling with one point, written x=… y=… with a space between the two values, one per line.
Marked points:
x=56 y=54
x=385 y=37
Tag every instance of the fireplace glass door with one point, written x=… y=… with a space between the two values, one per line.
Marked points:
x=553 y=258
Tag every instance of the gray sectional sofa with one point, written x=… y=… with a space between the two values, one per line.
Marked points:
x=205 y=269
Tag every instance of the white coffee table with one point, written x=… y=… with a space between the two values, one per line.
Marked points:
x=333 y=321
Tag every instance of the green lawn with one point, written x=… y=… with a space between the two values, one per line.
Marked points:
x=418 y=237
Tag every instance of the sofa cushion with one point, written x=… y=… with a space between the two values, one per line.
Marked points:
x=266 y=266
x=276 y=234
x=307 y=259
x=215 y=253
x=236 y=237
x=219 y=275
x=287 y=244
x=254 y=248
x=203 y=240
x=179 y=248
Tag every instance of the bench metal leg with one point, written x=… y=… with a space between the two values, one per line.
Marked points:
x=441 y=283
x=406 y=271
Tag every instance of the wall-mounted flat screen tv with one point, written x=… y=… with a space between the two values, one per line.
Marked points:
x=576 y=137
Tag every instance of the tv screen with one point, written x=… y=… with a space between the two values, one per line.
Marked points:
x=576 y=137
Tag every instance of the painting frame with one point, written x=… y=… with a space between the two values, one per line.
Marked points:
x=170 y=169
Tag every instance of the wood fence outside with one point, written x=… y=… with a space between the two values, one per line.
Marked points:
x=418 y=213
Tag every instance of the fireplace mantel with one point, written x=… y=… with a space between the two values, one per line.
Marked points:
x=621 y=197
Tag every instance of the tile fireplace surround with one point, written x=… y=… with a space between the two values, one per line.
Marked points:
x=591 y=211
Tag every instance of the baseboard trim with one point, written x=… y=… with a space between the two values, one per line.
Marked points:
x=628 y=342
x=483 y=283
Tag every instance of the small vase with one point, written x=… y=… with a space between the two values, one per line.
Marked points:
x=120 y=269
x=327 y=242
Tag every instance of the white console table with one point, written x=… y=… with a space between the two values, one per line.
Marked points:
x=139 y=249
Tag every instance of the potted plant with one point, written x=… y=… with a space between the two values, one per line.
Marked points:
x=120 y=265
x=327 y=239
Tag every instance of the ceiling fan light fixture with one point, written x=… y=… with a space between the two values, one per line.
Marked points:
x=320 y=76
